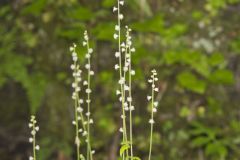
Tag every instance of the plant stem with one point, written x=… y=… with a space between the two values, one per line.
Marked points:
x=151 y=132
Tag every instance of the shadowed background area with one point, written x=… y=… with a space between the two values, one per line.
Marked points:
x=193 y=44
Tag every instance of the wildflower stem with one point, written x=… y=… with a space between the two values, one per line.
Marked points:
x=151 y=130
x=77 y=139
x=130 y=104
x=34 y=144
x=89 y=154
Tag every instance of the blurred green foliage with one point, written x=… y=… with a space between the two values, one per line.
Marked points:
x=194 y=45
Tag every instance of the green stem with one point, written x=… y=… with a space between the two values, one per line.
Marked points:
x=151 y=132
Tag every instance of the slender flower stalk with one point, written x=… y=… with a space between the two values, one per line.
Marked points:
x=88 y=91
x=154 y=105
x=119 y=66
x=128 y=67
x=32 y=139
x=77 y=102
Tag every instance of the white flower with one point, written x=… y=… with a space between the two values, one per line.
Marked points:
x=125 y=68
x=120 y=16
x=132 y=108
x=121 y=129
x=80 y=109
x=73 y=122
x=72 y=66
x=30 y=125
x=129 y=99
x=115 y=36
x=150 y=80
x=91 y=73
x=91 y=121
x=85 y=83
x=87 y=66
x=88 y=114
x=84 y=133
x=37 y=128
x=117 y=54
x=33 y=132
x=126 y=88
x=121 y=81
x=30 y=140
x=87 y=55
x=30 y=158
x=80 y=101
x=132 y=72
x=90 y=50
x=37 y=147
x=117 y=28
x=88 y=100
x=149 y=98
x=118 y=92
x=121 y=3
x=115 y=9
x=80 y=130
x=116 y=66
x=88 y=90
x=155 y=104
x=93 y=151
x=154 y=109
x=84 y=43
x=123 y=44
x=156 y=89
x=71 y=49
x=75 y=58
x=151 y=121
x=133 y=50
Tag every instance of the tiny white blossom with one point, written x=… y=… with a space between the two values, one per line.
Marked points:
x=116 y=66
x=88 y=90
x=120 y=16
x=132 y=72
x=121 y=3
x=37 y=147
x=151 y=121
x=149 y=97
x=87 y=66
x=133 y=50
x=84 y=43
x=154 y=110
x=121 y=129
x=91 y=73
x=31 y=140
x=155 y=104
x=117 y=54
x=115 y=9
x=115 y=36
x=118 y=92
x=85 y=83
x=117 y=28
x=90 y=50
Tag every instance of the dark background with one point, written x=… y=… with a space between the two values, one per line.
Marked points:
x=193 y=44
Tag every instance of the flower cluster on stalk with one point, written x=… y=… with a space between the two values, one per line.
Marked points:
x=34 y=129
x=82 y=120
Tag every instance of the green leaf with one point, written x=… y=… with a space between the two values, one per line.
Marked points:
x=216 y=148
x=35 y=7
x=200 y=141
x=81 y=13
x=189 y=81
x=185 y=111
x=223 y=76
x=108 y=3
x=123 y=148
x=104 y=31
